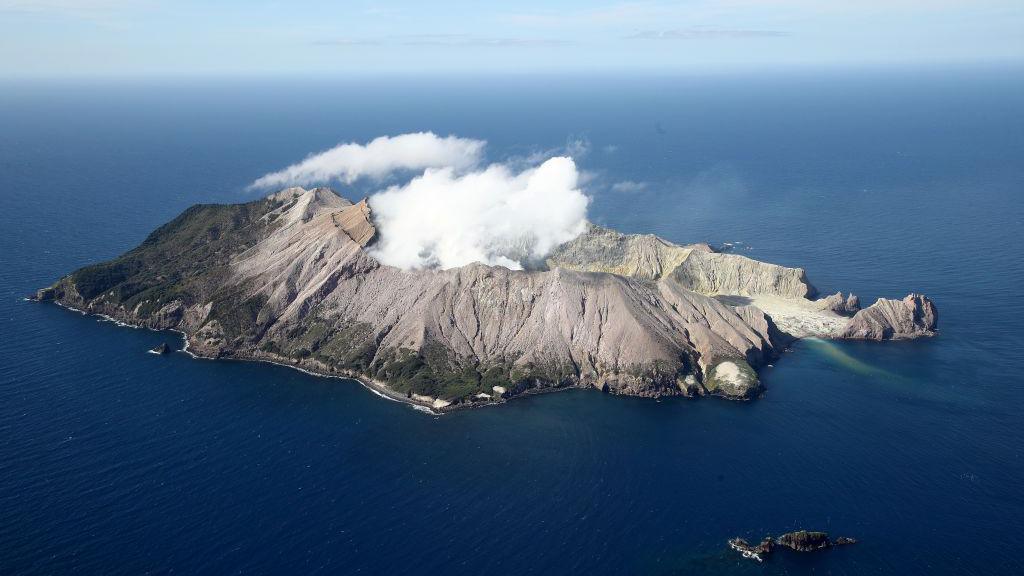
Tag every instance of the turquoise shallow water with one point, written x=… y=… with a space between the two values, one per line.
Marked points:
x=118 y=461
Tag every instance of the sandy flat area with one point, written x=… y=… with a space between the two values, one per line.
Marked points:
x=797 y=316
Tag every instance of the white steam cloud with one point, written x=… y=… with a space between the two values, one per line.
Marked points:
x=454 y=213
x=380 y=157
x=493 y=216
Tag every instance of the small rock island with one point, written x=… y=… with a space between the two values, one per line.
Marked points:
x=289 y=278
x=801 y=541
x=161 y=349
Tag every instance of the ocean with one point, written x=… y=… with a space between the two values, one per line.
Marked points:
x=880 y=182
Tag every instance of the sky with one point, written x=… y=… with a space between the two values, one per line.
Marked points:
x=58 y=38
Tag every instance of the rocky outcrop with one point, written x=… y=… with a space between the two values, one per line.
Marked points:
x=732 y=379
x=638 y=255
x=714 y=273
x=43 y=294
x=696 y=266
x=161 y=349
x=911 y=317
x=801 y=541
x=843 y=305
x=752 y=552
x=301 y=205
x=805 y=540
x=355 y=222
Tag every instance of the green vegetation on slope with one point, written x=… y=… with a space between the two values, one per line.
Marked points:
x=185 y=260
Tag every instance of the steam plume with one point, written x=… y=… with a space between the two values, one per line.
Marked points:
x=493 y=216
x=454 y=213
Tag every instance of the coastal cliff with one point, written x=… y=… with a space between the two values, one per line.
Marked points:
x=290 y=278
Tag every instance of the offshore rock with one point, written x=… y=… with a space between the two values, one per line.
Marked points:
x=43 y=294
x=800 y=541
x=750 y=551
x=805 y=540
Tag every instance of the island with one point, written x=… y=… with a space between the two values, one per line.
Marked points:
x=161 y=349
x=800 y=541
x=290 y=279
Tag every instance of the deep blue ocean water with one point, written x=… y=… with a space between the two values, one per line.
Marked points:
x=114 y=461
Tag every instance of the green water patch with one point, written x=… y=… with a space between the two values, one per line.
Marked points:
x=834 y=353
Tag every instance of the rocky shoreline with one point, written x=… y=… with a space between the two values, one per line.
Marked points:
x=379 y=388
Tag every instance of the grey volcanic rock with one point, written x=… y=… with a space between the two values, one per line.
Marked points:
x=914 y=316
x=291 y=278
x=852 y=304
x=355 y=222
x=695 y=266
x=639 y=255
x=161 y=348
x=301 y=204
x=844 y=305
x=715 y=273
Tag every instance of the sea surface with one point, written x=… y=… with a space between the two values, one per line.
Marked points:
x=115 y=461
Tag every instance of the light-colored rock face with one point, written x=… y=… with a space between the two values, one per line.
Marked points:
x=731 y=378
x=844 y=305
x=911 y=317
x=732 y=274
x=780 y=292
x=301 y=205
x=638 y=255
x=695 y=266
x=355 y=222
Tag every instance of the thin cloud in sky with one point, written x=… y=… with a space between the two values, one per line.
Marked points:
x=476 y=41
x=381 y=156
x=602 y=15
x=67 y=7
x=628 y=187
x=69 y=37
x=444 y=40
x=106 y=13
x=348 y=42
x=699 y=33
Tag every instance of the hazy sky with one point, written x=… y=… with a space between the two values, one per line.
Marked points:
x=153 y=37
